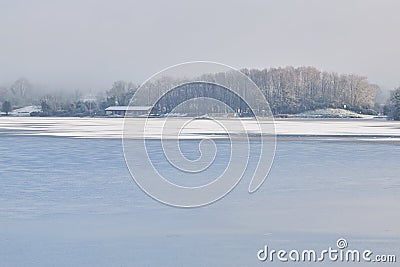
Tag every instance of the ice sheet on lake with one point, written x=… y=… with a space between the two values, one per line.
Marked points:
x=363 y=129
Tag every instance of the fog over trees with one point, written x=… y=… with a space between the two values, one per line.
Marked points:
x=288 y=90
x=293 y=90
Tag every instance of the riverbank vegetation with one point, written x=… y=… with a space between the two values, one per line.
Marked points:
x=289 y=90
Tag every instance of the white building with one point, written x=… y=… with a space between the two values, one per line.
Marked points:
x=25 y=111
x=134 y=111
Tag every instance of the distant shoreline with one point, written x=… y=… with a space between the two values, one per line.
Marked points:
x=327 y=113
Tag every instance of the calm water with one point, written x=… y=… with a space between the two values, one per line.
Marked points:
x=72 y=202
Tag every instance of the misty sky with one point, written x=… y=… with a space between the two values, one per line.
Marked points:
x=85 y=45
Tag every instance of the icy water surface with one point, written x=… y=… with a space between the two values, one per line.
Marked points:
x=72 y=202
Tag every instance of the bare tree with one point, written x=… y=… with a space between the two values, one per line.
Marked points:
x=21 y=90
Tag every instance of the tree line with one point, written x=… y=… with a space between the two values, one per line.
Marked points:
x=294 y=90
x=288 y=90
x=65 y=104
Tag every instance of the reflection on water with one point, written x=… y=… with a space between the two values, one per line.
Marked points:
x=72 y=202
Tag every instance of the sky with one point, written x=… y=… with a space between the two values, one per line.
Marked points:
x=87 y=45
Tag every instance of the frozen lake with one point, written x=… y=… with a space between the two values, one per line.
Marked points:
x=71 y=201
x=361 y=129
